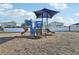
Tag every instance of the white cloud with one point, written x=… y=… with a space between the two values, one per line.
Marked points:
x=30 y=15
x=2 y=13
x=7 y=10
x=59 y=6
x=21 y=13
x=77 y=14
x=18 y=15
x=66 y=22
x=16 y=12
x=6 y=6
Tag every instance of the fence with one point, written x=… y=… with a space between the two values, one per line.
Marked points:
x=13 y=29
x=53 y=29
x=63 y=29
x=74 y=28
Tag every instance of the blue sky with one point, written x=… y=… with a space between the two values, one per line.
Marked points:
x=69 y=12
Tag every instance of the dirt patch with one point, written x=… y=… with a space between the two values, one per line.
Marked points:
x=60 y=43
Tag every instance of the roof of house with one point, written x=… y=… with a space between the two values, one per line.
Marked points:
x=76 y=24
x=8 y=22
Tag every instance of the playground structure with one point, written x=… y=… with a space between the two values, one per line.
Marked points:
x=36 y=29
x=45 y=13
x=25 y=27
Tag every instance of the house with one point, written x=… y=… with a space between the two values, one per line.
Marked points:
x=11 y=27
x=74 y=27
x=8 y=24
x=57 y=27
x=1 y=29
x=56 y=24
x=76 y=24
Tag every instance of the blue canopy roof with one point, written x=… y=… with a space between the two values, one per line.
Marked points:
x=45 y=13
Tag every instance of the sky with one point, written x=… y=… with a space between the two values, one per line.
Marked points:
x=68 y=12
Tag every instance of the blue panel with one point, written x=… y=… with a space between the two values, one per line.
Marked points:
x=28 y=22
x=38 y=24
